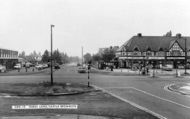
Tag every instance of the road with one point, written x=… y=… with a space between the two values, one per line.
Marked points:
x=143 y=92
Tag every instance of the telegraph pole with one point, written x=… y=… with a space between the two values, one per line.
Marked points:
x=51 y=27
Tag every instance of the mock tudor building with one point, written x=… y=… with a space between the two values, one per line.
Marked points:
x=154 y=50
x=8 y=58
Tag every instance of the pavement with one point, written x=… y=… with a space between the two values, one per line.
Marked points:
x=157 y=72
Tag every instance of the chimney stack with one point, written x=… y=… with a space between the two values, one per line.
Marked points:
x=139 y=35
x=178 y=35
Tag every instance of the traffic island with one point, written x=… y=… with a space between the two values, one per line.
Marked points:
x=23 y=73
x=44 y=89
x=182 y=88
x=93 y=105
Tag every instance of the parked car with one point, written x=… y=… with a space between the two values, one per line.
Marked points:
x=81 y=70
x=57 y=66
x=181 y=67
x=39 y=66
x=18 y=66
x=167 y=67
x=45 y=66
x=2 y=68
x=78 y=64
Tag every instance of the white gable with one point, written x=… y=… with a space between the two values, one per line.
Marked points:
x=176 y=47
x=176 y=50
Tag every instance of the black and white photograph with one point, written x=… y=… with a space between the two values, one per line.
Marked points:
x=94 y=59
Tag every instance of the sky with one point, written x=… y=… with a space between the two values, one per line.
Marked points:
x=91 y=24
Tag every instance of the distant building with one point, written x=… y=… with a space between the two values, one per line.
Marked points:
x=8 y=58
x=101 y=50
x=154 y=50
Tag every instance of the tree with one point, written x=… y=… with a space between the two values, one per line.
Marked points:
x=33 y=57
x=96 y=57
x=65 y=58
x=87 y=58
x=57 y=57
x=168 y=34
x=74 y=59
x=45 y=56
x=22 y=55
x=108 y=54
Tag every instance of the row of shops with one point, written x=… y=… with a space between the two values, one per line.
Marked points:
x=176 y=62
x=8 y=58
x=154 y=51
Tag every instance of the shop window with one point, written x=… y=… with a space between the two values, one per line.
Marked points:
x=129 y=53
x=175 y=53
x=150 y=53
x=161 y=53
x=137 y=53
x=188 y=53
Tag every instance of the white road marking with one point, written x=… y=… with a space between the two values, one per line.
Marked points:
x=132 y=103
x=178 y=93
x=154 y=96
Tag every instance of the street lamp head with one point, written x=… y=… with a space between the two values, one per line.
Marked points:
x=52 y=25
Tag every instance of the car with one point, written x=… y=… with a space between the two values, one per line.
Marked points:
x=57 y=66
x=78 y=64
x=2 y=68
x=81 y=70
x=17 y=66
x=39 y=66
x=45 y=66
x=167 y=67
x=181 y=67
x=28 y=64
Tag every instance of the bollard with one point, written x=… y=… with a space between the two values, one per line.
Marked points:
x=178 y=73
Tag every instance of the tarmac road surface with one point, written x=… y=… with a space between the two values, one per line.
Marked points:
x=141 y=91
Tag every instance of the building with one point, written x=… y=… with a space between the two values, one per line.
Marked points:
x=8 y=58
x=101 y=50
x=155 y=51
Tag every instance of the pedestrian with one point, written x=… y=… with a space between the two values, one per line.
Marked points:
x=111 y=67
x=147 y=70
x=140 y=69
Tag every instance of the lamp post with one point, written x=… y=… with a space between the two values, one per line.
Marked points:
x=51 y=27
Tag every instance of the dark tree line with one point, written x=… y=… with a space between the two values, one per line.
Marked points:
x=107 y=55
x=57 y=57
x=32 y=57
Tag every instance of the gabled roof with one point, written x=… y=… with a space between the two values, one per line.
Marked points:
x=155 y=43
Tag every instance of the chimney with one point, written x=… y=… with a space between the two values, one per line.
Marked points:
x=139 y=35
x=178 y=35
